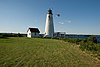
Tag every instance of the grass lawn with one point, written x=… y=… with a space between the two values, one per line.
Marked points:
x=37 y=52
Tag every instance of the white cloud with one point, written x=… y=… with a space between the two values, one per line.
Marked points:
x=68 y=21
x=60 y=22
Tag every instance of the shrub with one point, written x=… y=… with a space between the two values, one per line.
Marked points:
x=86 y=44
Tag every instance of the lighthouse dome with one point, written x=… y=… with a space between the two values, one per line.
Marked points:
x=49 y=11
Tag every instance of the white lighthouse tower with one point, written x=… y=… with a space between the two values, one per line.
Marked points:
x=49 y=27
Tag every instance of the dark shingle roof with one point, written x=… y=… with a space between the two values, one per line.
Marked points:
x=34 y=30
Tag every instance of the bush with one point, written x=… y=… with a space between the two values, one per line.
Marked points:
x=73 y=40
x=93 y=39
x=87 y=44
x=9 y=35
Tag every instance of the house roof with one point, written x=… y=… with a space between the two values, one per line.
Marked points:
x=34 y=30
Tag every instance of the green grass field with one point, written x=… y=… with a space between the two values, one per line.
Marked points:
x=37 y=52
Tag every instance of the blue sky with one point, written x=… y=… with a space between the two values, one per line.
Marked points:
x=76 y=16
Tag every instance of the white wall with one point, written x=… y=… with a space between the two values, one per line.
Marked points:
x=33 y=34
x=49 y=27
x=29 y=33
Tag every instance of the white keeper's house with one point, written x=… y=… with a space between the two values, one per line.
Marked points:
x=33 y=32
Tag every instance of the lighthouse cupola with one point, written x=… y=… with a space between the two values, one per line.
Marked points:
x=49 y=11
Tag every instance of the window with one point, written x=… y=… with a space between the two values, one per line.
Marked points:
x=29 y=33
x=35 y=33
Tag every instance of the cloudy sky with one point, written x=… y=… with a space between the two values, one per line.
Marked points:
x=76 y=16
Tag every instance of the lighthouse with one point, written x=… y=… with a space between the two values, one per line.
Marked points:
x=49 y=27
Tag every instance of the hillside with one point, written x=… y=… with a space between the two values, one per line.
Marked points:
x=36 y=52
